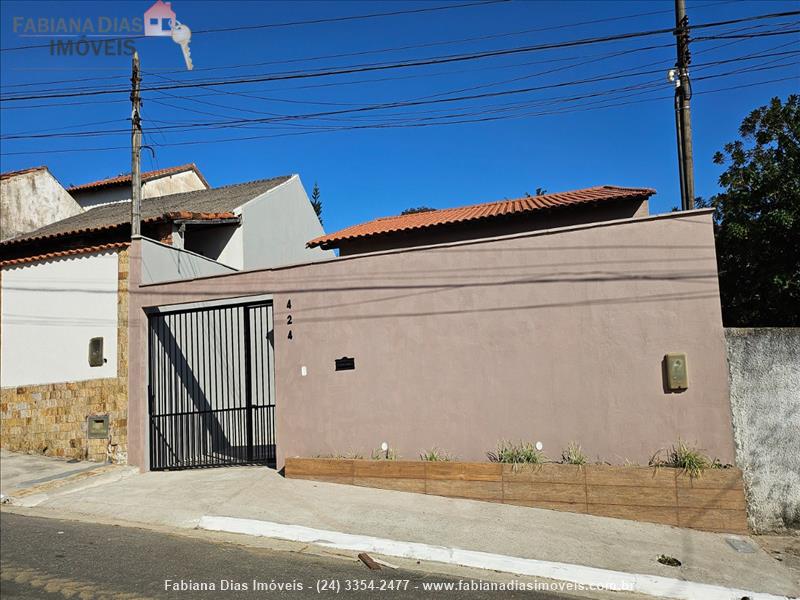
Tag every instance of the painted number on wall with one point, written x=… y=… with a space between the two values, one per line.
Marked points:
x=289 y=319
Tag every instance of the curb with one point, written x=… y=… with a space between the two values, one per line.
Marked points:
x=651 y=585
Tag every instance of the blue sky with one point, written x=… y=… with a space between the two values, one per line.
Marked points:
x=363 y=173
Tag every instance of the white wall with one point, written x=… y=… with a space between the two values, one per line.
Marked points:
x=185 y=181
x=166 y=263
x=222 y=243
x=32 y=200
x=50 y=310
x=276 y=226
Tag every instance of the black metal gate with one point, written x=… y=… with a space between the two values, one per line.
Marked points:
x=211 y=390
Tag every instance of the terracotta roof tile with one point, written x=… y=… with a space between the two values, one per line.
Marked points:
x=145 y=177
x=475 y=212
x=62 y=253
x=10 y=174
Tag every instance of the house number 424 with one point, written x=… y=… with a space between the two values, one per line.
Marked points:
x=289 y=319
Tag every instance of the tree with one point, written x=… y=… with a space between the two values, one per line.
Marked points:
x=757 y=219
x=316 y=203
x=418 y=209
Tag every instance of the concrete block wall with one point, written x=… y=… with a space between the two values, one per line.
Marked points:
x=51 y=419
x=765 y=405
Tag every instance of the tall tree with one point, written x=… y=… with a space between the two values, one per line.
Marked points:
x=316 y=202
x=757 y=219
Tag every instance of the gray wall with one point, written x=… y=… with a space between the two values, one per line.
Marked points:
x=765 y=401
x=166 y=263
x=31 y=200
x=276 y=226
x=550 y=336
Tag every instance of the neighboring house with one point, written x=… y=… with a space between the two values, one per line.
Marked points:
x=66 y=284
x=30 y=199
x=504 y=217
x=173 y=180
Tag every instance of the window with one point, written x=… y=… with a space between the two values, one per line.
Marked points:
x=153 y=21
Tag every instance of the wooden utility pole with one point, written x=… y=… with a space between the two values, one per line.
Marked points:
x=683 y=116
x=136 y=150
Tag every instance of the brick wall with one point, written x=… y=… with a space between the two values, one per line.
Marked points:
x=51 y=419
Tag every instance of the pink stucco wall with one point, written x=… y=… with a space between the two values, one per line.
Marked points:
x=554 y=336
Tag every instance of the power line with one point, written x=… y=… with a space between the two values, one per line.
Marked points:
x=214 y=92
x=409 y=103
x=414 y=63
x=385 y=50
x=349 y=128
x=297 y=23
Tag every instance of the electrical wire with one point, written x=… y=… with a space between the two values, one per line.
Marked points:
x=423 y=62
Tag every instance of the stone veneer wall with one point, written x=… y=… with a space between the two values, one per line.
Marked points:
x=51 y=419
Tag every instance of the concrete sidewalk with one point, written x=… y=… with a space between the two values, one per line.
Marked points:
x=180 y=499
x=28 y=474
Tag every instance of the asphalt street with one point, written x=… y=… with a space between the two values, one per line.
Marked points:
x=48 y=558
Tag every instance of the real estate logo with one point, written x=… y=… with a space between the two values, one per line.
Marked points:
x=158 y=19
x=84 y=36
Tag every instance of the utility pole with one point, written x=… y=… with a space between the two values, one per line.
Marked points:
x=136 y=150
x=683 y=116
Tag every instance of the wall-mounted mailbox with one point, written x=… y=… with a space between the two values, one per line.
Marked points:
x=675 y=372
x=96 y=352
x=345 y=364
x=98 y=426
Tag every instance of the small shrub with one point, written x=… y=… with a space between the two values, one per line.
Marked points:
x=435 y=455
x=682 y=456
x=517 y=453
x=378 y=454
x=573 y=455
x=340 y=456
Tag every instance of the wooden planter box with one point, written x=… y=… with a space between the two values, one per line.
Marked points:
x=713 y=502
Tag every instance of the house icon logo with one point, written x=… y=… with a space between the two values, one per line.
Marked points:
x=158 y=19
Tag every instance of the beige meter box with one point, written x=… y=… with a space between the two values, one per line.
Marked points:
x=677 y=377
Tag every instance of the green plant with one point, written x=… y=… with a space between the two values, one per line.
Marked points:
x=435 y=455
x=517 y=453
x=573 y=455
x=378 y=454
x=757 y=219
x=682 y=456
x=338 y=455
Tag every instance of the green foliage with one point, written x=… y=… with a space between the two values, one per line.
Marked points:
x=573 y=455
x=682 y=456
x=435 y=455
x=339 y=455
x=418 y=209
x=316 y=202
x=758 y=219
x=517 y=453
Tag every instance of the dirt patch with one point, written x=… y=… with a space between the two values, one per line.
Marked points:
x=783 y=548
